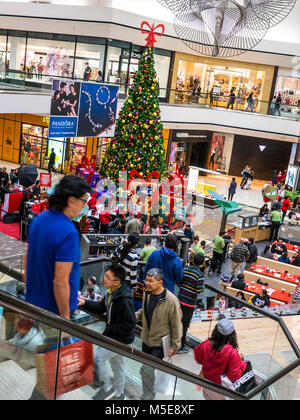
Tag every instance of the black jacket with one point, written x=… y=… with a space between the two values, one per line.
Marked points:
x=280 y=250
x=238 y=284
x=253 y=253
x=52 y=158
x=120 y=323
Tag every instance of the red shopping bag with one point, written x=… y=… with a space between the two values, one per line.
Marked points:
x=76 y=368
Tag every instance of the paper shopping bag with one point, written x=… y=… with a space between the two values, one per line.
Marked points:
x=75 y=370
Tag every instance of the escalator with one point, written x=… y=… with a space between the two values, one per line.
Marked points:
x=264 y=339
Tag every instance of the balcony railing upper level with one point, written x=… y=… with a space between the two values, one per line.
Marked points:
x=180 y=109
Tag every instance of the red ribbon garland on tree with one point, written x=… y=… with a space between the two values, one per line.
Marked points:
x=151 y=38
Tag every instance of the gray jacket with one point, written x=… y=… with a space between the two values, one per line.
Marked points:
x=166 y=319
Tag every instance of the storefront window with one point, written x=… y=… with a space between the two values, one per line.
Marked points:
x=16 y=48
x=76 y=148
x=103 y=144
x=89 y=52
x=162 y=60
x=34 y=145
x=178 y=154
x=2 y=52
x=117 y=63
x=195 y=81
x=49 y=55
x=38 y=57
x=289 y=87
x=136 y=56
x=59 y=148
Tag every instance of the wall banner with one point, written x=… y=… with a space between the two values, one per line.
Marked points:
x=83 y=109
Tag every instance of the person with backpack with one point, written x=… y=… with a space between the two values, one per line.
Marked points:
x=167 y=260
x=238 y=256
x=219 y=356
x=128 y=258
x=239 y=283
x=278 y=105
x=252 y=248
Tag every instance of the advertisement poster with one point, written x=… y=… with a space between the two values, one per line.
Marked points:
x=45 y=180
x=82 y=109
x=217 y=151
x=292 y=177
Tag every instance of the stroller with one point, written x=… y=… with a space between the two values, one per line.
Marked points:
x=248 y=185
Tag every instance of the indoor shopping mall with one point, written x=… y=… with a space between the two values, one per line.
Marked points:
x=149 y=203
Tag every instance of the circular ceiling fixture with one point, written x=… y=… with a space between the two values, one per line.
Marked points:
x=225 y=28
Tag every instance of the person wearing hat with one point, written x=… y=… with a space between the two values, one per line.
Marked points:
x=219 y=356
x=128 y=258
x=87 y=72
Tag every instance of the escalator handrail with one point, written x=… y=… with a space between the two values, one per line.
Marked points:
x=20 y=306
x=274 y=317
x=235 y=299
x=61 y=324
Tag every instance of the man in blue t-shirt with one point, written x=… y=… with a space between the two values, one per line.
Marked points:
x=53 y=260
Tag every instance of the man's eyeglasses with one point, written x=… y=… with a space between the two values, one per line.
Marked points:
x=84 y=201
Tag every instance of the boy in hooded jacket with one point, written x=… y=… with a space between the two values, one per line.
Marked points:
x=167 y=260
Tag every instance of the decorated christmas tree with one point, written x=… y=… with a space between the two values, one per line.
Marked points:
x=138 y=142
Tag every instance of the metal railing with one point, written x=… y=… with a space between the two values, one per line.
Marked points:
x=15 y=80
x=11 y=303
x=65 y=326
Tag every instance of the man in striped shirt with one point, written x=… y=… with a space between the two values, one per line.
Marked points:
x=190 y=288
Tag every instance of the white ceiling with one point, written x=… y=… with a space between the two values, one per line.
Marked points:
x=283 y=39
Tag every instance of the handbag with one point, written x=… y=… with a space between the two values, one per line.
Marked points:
x=75 y=370
x=246 y=383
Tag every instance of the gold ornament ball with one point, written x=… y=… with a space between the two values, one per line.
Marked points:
x=151 y=122
x=152 y=87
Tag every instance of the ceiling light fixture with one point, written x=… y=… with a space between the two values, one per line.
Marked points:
x=225 y=28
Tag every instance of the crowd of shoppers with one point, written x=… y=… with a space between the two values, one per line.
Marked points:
x=169 y=295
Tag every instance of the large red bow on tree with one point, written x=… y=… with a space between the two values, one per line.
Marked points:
x=151 y=38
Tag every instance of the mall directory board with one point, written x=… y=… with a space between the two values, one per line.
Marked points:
x=82 y=109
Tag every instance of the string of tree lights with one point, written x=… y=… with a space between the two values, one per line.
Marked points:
x=138 y=142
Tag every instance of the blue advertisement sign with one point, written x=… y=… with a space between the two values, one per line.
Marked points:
x=83 y=109
x=63 y=126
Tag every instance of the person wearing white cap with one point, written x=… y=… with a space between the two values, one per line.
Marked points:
x=219 y=356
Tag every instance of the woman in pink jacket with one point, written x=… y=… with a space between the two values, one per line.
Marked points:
x=219 y=356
